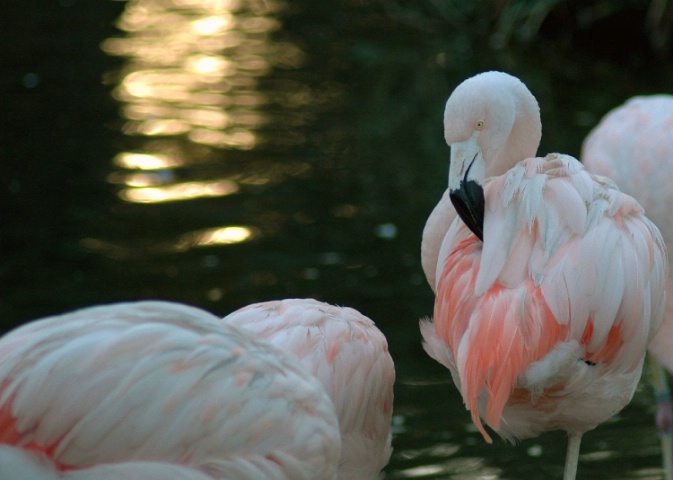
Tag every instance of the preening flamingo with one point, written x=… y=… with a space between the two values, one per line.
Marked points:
x=633 y=145
x=350 y=357
x=550 y=288
x=157 y=390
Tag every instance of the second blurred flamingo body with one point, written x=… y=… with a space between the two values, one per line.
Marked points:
x=347 y=353
x=633 y=145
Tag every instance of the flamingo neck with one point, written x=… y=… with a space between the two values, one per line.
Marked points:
x=523 y=139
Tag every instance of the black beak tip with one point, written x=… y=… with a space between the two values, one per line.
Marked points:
x=468 y=200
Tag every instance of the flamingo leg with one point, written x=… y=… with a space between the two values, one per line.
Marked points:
x=662 y=394
x=667 y=454
x=572 y=456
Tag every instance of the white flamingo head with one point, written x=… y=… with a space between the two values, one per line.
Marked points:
x=491 y=122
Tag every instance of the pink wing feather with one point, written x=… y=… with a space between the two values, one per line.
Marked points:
x=570 y=271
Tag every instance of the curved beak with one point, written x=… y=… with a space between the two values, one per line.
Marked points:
x=466 y=177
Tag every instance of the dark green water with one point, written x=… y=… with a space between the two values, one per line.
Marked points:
x=135 y=135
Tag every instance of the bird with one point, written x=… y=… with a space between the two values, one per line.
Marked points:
x=155 y=390
x=549 y=281
x=633 y=145
x=349 y=355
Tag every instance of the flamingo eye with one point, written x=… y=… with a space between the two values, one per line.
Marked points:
x=480 y=124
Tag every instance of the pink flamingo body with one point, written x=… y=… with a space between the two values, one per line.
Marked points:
x=154 y=390
x=350 y=357
x=543 y=324
x=633 y=145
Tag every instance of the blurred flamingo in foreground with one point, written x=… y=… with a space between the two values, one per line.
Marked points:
x=349 y=356
x=633 y=145
x=156 y=390
x=550 y=288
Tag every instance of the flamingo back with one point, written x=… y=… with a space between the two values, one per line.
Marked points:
x=350 y=357
x=164 y=384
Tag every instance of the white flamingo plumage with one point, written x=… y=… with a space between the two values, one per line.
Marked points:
x=633 y=145
x=350 y=357
x=157 y=390
x=544 y=324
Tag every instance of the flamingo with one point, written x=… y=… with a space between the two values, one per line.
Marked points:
x=349 y=355
x=158 y=390
x=551 y=284
x=633 y=145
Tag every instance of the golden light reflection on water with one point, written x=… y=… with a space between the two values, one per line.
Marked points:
x=193 y=67
x=199 y=122
x=179 y=191
x=192 y=75
x=218 y=236
x=190 y=81
x=223 y=235
x=145 y=161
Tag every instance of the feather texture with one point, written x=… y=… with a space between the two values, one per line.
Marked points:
x=633 y=145
x=164 y=386
x=350 y=357
x=523 y=300
x=544 y=323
